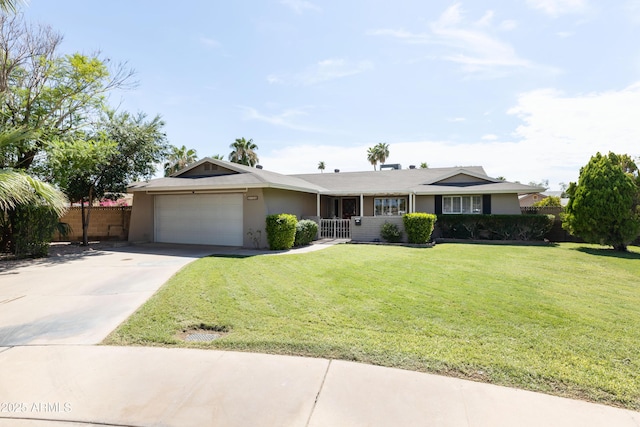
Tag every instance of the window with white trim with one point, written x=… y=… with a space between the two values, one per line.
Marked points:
x=389 y=206
x=462 y=204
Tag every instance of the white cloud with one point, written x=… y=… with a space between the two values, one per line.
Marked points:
x=457 y=119
x=322 y=71
x=568 y=130
x=556 y=8
x=508 y=25
x=286 y=118
x=485 y=21
x=300 y=6
x=558 y=135
x=273 y=79
x=474 y=45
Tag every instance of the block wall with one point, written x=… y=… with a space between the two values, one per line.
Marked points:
x=105 y=223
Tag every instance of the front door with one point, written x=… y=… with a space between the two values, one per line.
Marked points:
x=348 y=208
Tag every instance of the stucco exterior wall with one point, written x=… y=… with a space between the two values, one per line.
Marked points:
x=291 y=202
x=254 y=214
x=505 y=204
x=141 y=225
x=426 y=204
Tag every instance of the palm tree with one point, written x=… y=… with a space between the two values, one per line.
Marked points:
x=372 y=156
x=17 y=188
x=10 y=5
x=382 y=149
x=218 y=157
x=244 y=152
x=178 y=159
x=321 y=166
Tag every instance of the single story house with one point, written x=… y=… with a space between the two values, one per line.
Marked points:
x=216 y=202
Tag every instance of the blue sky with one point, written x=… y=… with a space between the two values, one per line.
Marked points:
x=529 y=89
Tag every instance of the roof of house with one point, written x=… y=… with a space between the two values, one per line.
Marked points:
x=431 y=181
x=239 y=176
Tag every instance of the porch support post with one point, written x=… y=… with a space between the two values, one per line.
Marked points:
x=318 y=205
x=410 y=210
x=362 y=205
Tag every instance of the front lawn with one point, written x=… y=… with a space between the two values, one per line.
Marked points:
x=563 y=320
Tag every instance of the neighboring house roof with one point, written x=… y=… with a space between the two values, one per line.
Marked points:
x=430 y=181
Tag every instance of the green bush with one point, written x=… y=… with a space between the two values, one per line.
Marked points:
x=33 y=229
x=495 y=227
x=281 y=231
x=390 y=232
x=306 y=231
x=419 y=226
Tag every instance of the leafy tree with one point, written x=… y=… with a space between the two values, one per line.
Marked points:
x=551 y=201
x=603 y=205
x=179 y=158
x=321 y=166
x=89 y=166
x=544 y=183
x=43 y=90
x=18 y=190
x=424 y=165
x=244 y=152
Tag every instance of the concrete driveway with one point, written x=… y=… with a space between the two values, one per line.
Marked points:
x=80 y=298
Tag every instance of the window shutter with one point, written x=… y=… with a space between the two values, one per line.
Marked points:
x=486 y=204
x=438 y=205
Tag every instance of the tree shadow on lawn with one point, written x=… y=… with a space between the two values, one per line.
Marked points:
x=609 y=252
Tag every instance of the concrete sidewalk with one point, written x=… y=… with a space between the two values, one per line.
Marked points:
x=138 y=386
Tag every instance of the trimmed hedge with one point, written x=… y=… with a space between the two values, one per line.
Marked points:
x=419 y=226
x=495 y=227
x=306 y=231
x=281 y=231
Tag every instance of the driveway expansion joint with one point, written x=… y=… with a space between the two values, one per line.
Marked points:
x=315 y=402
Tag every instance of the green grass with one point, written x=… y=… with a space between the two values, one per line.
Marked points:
x=563 y=320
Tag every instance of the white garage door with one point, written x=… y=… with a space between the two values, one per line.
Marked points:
x=202 y=219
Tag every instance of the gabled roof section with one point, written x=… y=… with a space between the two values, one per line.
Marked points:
x=474 y=174
x=227 y=176
x=199 y=168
